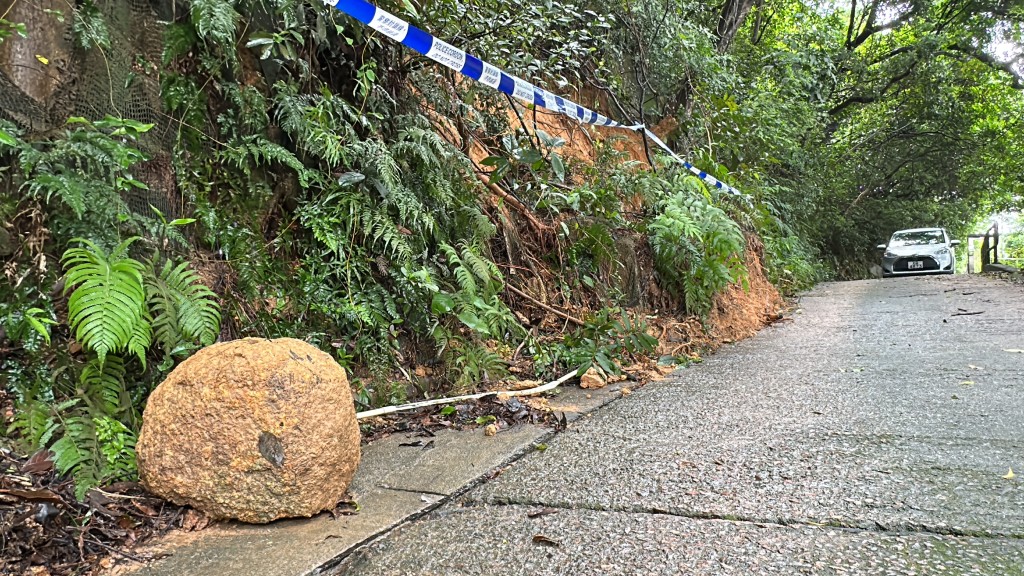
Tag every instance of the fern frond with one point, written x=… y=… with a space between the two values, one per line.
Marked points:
x=322 y=126
x=261 y=152
x=76 y=453
x=376 y=159
x=215 y=20
x=142 y=338
x=486 y=270
x=183 y=307
x=465 y=279
x=69 y=188
x=104 y=385
x=107 y=302
x=33 y=421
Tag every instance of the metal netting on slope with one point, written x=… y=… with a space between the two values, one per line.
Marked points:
x=121 y=81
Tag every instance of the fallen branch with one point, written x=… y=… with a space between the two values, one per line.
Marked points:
x=540 y=304
x=415 y=405
x=967 y=313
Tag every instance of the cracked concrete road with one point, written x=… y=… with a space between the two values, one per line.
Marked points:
x=870 y=435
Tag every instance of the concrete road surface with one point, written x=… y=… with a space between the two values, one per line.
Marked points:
x=869 y=435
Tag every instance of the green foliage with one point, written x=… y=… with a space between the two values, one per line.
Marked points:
x=555 y=40
x=94 y=451
x=791 y=263
x=88 y=26
x=1011 y=245
x=103 y=387
x=81 y=175
x=476 y=302
x=473 y=363
x=698 y=248
x=34 y=319
x=8 y=29
x=108 y=302
x=184 y=310
x=534 y=171
x=606 y=340
x=215 y=22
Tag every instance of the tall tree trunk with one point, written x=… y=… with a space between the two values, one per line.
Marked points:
x=730 y=20
x=31 y=68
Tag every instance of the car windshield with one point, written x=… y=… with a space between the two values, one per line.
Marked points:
x=917 y=238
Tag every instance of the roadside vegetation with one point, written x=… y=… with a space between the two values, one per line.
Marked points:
x=296 y=175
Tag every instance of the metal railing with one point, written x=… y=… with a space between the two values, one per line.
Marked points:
x=989 y=248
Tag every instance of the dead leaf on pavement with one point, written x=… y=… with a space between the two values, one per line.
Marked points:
x=545 y=541
x=1013 y=350
x=1010 y=475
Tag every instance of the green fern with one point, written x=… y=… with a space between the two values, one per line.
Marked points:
x=74 y=453
x=698 y=248
x=258 y=151
x=141 y=338
x=33 y=422
x=215 y=21
x=71 y=189
x=108 y=299
x=474 y=363
x=322 y=126
x=476 y=301
x=86 y=163
x=184 y=309
x=103 y=386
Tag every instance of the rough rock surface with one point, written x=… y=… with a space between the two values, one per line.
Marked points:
x=592 y=379
x=252 y=429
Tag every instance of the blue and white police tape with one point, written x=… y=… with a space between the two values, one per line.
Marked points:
x=697 y=171
x=468 y=65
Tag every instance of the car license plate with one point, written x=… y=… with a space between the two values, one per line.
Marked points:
x=915 y=265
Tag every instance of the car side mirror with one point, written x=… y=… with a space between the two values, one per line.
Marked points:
x=880 y=247
x=954 y=242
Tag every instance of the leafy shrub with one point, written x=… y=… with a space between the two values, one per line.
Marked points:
x=606 y=340
x=698 y=248
x=791 y=263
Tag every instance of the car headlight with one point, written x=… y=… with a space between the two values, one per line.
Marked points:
x=889 y=254
x=943 y=252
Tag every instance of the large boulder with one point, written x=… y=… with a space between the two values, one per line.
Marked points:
x=251 y=429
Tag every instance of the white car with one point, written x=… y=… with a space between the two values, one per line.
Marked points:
x=919 y=251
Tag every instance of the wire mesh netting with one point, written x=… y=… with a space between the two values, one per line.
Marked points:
x=120 y=80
